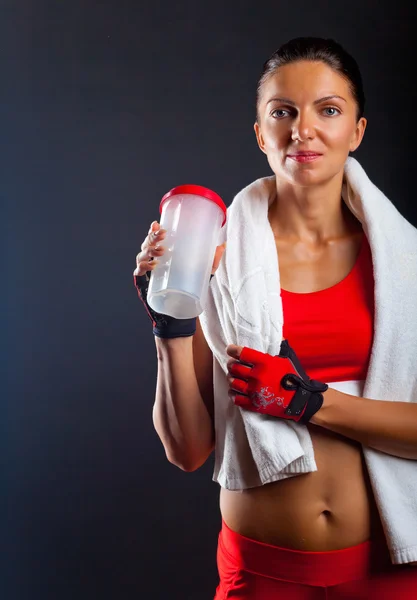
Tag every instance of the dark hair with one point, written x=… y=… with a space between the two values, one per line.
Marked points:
x=316 y=49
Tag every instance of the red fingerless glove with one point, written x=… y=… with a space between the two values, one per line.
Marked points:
x=276 y=385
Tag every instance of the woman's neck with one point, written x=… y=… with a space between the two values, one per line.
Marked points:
x=312 y=215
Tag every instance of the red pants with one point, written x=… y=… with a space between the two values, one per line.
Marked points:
x=251 y=570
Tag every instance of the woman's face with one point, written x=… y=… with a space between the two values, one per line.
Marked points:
x=296 y=115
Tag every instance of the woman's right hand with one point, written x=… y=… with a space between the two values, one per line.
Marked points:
x=152 y=249
x=163 y=325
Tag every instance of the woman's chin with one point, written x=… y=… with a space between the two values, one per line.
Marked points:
x=306 y=177
x=301 y=178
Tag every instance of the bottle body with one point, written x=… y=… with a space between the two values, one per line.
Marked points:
x=179 y=283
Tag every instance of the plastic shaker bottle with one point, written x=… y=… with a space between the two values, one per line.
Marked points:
x=193 y=217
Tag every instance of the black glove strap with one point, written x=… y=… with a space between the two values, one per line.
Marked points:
x=314 y=403
x=308 y=392
x=164 y=326
x=304 y=399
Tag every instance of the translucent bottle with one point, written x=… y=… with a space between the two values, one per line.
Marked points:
x=193 y=217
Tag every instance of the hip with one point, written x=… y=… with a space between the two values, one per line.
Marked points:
x=250 y=569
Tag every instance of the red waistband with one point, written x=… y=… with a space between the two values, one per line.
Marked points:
x=310 y=568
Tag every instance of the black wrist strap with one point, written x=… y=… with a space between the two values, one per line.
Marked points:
x=308 y=395
x=164 y=326
x=314 y=403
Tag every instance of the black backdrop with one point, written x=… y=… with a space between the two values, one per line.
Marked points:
x=106 y=106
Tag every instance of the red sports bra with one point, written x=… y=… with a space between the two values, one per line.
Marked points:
x=331 y=330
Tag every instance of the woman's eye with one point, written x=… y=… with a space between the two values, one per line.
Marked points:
x=332 y=108
x=278 y=110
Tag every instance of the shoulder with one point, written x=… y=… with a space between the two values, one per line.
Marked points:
x=375 y=210
x=260 y=189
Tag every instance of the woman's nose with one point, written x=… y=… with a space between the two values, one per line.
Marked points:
x=303 y=127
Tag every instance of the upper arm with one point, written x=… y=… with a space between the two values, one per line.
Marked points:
x=203 y=366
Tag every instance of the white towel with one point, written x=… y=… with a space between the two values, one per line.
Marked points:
x=244 y=307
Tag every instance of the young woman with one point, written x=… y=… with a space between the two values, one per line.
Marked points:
x=317 y=534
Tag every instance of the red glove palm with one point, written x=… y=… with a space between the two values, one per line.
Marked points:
x=276 y=385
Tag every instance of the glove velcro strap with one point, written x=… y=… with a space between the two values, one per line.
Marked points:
x=177 y=328
x=314 y=404
x=290 y=381
x=164 y=326
x=307 y=399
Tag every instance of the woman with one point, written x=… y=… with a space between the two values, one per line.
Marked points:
x=317 y=534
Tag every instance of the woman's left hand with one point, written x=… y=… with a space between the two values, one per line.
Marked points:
x=272 y=385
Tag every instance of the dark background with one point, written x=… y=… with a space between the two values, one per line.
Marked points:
x=105 y=107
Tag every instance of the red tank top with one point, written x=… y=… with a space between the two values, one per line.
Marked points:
x=331 y=330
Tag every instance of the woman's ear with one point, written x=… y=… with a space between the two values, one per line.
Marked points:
x=259 y=137
x=358 y=134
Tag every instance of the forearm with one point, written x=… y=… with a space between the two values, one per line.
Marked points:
x=180 y=416
x=390 y=427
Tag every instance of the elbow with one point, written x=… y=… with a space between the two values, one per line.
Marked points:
x=187 y=457
x=188 y=463
x=184 y=465
x=187 y=467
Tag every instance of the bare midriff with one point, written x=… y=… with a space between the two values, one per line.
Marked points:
x=329 y=509
x=333 y=507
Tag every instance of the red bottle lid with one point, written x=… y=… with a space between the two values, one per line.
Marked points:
x=195 y=190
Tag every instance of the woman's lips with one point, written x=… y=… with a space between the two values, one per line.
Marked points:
x=304 y=158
